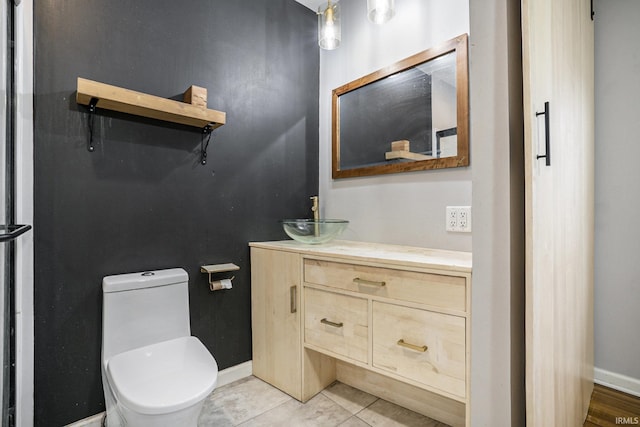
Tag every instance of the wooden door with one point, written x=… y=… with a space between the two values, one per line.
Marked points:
x=558 y=72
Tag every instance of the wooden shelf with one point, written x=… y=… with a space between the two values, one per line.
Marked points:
x=402 y=154
x=141 y=104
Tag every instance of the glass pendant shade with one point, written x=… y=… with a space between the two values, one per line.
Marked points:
x=380 y=11
x=329 y=33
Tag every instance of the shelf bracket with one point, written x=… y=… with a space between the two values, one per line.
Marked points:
x=92 y=115
x=204 y=143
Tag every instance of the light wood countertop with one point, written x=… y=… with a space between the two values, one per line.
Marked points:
x=378 y=252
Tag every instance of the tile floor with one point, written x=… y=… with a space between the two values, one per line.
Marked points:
x=251 y=402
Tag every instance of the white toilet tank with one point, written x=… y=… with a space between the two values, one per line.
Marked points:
x=140 y=309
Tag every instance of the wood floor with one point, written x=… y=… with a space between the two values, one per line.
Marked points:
x=612 y=408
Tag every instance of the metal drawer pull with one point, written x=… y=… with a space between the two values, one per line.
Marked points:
x=420 y=348
x=368 y=282
x=330 y=323
x=293 y=298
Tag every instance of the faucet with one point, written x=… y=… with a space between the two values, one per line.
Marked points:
x=316 y=214
x=315 y=208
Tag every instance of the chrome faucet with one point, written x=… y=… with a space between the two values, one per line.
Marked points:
x=315 y=208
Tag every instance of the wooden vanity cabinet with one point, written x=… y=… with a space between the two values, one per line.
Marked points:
x=390 y=320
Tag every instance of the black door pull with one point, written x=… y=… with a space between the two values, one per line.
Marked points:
x=547 y=133
x=10 y=232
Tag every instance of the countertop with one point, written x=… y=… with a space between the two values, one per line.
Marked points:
x=410 y=256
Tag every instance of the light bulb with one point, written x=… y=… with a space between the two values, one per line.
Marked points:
x=380 y=11
x=329 y=32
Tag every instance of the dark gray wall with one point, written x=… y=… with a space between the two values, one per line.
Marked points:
x=142 y=200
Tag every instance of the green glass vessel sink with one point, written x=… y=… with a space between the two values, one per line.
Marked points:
x=314 y=231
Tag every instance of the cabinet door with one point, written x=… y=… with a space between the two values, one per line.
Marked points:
x=558 y=79
x=275 y=319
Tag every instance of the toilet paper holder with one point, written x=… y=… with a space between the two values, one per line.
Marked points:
x=212 y=269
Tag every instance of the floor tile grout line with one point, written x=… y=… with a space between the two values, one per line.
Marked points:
x=338 y=403
x=354 y=416
x=264 y=412
x=345 y=408
x=360 y=411
x=233 y=385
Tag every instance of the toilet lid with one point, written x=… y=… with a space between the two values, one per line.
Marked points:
x=163 y=377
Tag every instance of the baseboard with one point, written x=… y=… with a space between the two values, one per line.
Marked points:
x=235 y=373
x=94 y=420
x=617 y=381
x=226 y=376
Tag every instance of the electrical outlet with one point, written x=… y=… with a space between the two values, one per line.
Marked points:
x=451 y=218
x=464 y=219
x=458 y=218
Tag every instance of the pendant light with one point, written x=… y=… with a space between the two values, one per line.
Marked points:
x=329 y=33
x=380 y=11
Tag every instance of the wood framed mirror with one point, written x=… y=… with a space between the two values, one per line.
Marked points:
x=412 y=115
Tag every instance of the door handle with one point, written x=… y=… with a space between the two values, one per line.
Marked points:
x=293 y=299
x=11 y=232
x=360 y=281
x=420 y=348
x=547 y=135
x=330 y=323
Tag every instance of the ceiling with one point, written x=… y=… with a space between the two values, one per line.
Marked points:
x=312 y=4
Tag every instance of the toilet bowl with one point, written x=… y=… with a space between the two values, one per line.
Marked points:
x=154 y=373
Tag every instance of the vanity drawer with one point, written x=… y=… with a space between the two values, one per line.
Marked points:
x=338 y=323
x=436 y=290
x=420 y=345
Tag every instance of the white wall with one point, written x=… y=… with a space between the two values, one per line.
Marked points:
x=617 y=194
x=497 y=297
x=406 y=208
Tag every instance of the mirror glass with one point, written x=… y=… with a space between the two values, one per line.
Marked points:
x=412 y=115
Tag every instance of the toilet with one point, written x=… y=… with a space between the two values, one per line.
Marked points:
x=154 y=373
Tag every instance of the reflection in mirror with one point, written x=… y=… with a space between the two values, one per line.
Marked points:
x=447 y=142
x=410 y=116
